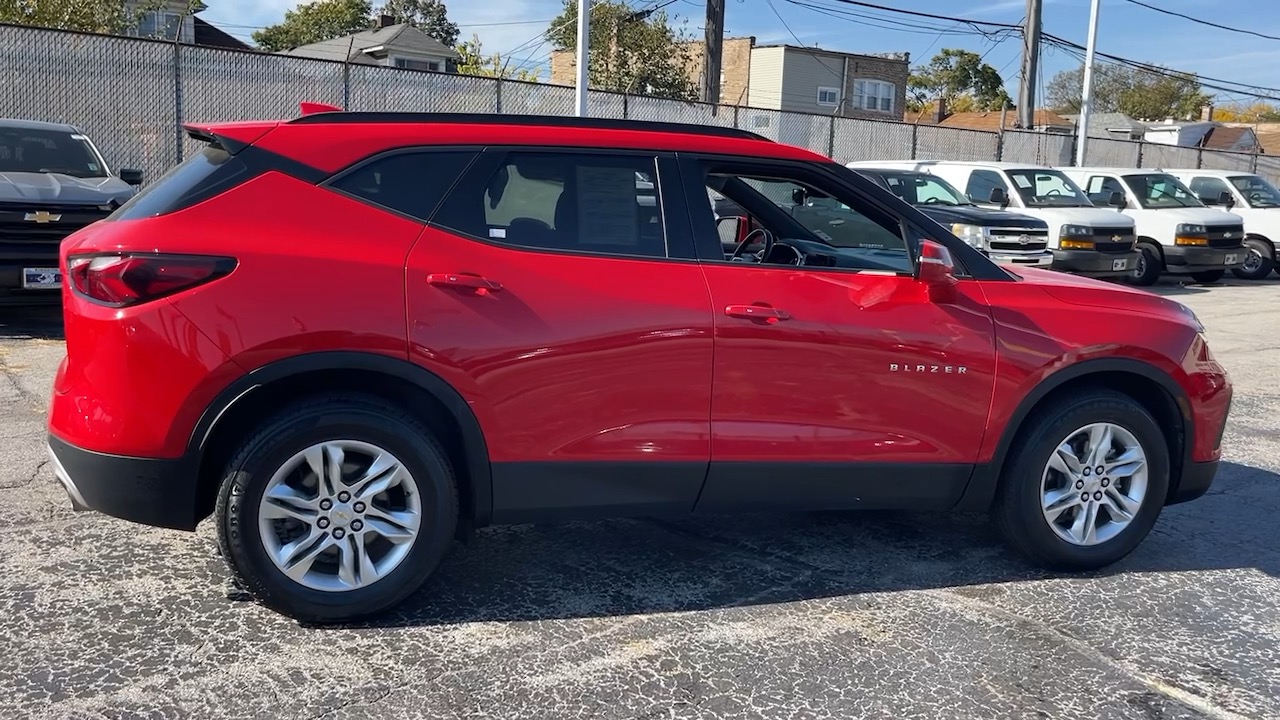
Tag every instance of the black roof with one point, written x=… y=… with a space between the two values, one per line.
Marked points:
x=526 y=120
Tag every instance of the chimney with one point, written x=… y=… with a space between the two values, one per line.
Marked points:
x=1206 y=113
x=939 y=111
x=386 y=21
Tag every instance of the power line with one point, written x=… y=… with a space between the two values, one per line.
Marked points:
x=1203 y=22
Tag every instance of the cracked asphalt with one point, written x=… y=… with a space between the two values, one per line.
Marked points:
x=827 y=615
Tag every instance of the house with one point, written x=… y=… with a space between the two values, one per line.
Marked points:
x=1112 y=126
x=990 y=120
x=173 y=20
x=1208 y=135
x=388 y=43
x=207 y=35
x=1268 y=135
x=791 y=78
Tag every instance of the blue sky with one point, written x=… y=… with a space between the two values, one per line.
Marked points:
x=1125 y=29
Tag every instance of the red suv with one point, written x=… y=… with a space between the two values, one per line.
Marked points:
x=353 y=337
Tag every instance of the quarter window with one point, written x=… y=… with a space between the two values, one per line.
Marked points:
x=873 y=95
x=413 y=183
x=555 y=201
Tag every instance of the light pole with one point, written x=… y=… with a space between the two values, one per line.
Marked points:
x=1086 y=95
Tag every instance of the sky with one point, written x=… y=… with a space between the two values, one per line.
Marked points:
x=513 y=27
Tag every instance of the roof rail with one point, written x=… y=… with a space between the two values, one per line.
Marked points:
x=321 y=118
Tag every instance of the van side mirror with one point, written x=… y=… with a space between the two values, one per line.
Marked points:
x=1227 y=200
x=1117 y=201
x=131 y=176
x=936 y=271
x=999 y=197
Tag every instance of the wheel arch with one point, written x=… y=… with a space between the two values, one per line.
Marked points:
x=1145 y=240
x=1146 y=384
x=1263 y=238
x=420 y=391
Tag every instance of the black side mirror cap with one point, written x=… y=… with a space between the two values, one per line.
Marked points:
x=1227 y=199
x=132 y=176
x=1116 y=200
x=999 y=197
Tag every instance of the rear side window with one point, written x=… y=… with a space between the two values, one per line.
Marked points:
x=412 y=183
x=200 y=176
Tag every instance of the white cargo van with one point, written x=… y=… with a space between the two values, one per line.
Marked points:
x=1084 y=239
x=1253 y=198
x=1177 y=234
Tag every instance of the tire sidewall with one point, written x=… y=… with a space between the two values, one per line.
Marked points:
x=1151 y=266
x=247 y=480
x=1263 y=249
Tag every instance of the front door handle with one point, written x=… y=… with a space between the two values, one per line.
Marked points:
x=757 y=312
x=463 y=280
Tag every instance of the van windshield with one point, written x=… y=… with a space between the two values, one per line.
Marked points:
x=1158 y=190
x=1047 y=188
x=1257 y=191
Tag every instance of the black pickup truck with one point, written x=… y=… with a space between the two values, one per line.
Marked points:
x=53 y=181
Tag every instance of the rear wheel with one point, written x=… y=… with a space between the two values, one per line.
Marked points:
x=1148 y=267
x=336 y=509
x=1258 y=262
x=1086 y=483
x=1208 y=276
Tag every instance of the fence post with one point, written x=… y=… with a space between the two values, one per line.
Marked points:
x=1140 y=146
x=735 y=117
x=497 y=96
x=831 y=138
x=1253 y=163
x=1199 y=158
x=915 y=138
x=1075 y=140
x=346 y=86
x=177 y=101
x=626 y=107
x=999 y=146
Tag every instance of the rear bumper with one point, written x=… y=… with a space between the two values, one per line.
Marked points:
x=151 y=491
x=1200 y=259
x=1094 y=263
x=1195 y=481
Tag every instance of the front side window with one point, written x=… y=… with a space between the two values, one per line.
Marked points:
x=981 y=183
x=1100 y=187
x=920 y=189
x=1158 y=190
x=873 y=95
x=561 y=201
x=1257 y=191
x=1047 y=188
x=49 y=151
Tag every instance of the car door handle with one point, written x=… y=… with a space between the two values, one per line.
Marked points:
x=756 y=312
x=463 y=280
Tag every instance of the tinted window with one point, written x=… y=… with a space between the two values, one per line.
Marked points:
x=48 y=151
x=562 y=201
x=210 y=168
x=413 y=183
x=981 y=183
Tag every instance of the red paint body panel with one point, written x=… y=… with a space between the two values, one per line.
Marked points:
x=576 y=357
x=838 y=381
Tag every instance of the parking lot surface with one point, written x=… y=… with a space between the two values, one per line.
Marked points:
x=794 y=616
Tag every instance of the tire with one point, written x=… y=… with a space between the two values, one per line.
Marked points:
x=1208 y=276
x=1026 y=476
x=362 y=428
x=1150 y=265
x=1260 y=263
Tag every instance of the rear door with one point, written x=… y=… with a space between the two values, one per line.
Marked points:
x=553 y=289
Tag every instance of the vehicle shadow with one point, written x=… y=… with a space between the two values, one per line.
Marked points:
x=629 y=567
x=1186 y=286
x=26 y=322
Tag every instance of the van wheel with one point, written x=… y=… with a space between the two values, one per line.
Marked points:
x=1149 y=266
x=1208 y=276
x=1086 y=483
x=1258 y=262
x=335 y=509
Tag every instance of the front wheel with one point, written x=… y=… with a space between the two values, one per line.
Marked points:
x=1086 y=483
x=1208 y=276
x=1258 y=261
x=337 y=508
x=1148 y=267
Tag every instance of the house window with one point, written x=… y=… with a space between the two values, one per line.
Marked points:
x=409 y=64
x=828 y=96
x=873 y=95
x=159 y=24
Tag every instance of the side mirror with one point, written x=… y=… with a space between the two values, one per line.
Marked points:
x=999 y=197
x=936 y=271
x=131 y=176
x=799 y=196
x=1227 y=200
x=1117 y=200
x=730 y=231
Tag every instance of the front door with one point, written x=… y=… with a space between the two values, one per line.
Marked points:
x=838 y=382
x=550 y=291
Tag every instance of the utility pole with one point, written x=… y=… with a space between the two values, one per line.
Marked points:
x=1030 y=64
x=714 y=50
x=1086 y=94
x=584 y=42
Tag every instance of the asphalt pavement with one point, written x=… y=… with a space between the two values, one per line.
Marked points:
x=828 y=615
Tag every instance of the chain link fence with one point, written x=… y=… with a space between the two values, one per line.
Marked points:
x=132 y=97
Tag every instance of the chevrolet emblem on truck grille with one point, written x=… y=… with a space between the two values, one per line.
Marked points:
x=42 y=217
x=1117 y=238
x=1024 y=239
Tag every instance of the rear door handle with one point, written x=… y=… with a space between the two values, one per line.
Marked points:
x=756 y=312
x=463 y=280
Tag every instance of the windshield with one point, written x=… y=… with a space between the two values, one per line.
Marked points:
x=49 y=151
x=1047 y=188
x=1256 y=191
x=922 y=189
x=1157 y=190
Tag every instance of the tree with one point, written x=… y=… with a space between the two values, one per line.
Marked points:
x=98 y=16
x=429 y=16
x=314 y=22
x=474 y=62
x=958 y=77
x=1251 y=113
x=1140 y=93
x=631 y=51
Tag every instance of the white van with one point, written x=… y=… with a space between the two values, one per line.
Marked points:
x=1084 y=239
x=1253 y=198
x=1177 y=234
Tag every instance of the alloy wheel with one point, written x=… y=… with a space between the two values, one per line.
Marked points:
x=1094 y=484
x=1252 y=261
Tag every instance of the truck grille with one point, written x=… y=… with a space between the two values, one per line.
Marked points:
x=1010 y=239
x=15 y=227
x=1225 y=236
x=1104 y=239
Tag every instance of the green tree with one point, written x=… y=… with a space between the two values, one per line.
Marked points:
x=475 y=62
x=429 y=16
x=99 y=16
x=1253 y=112
x=314 y=22
x=957 y=76
x=637 y=52
x=1153 y=94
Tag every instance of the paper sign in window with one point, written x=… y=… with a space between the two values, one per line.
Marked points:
x=608 y=213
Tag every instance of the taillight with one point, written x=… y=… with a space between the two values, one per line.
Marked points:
x=128 y=279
